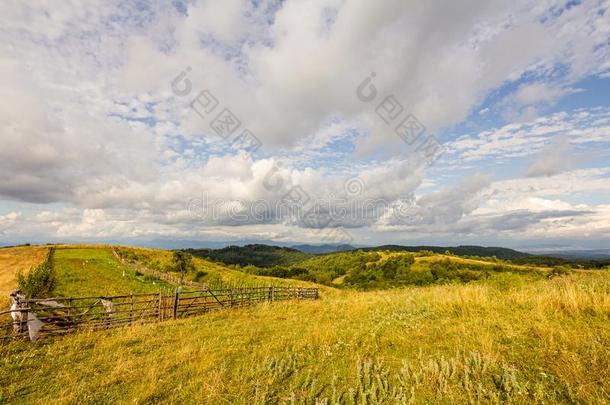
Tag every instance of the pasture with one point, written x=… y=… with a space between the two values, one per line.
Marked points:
x=507 y=339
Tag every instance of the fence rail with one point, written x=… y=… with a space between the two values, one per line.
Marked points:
x=38 y=318
x=167 y=277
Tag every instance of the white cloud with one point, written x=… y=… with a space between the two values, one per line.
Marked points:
x=553 y=159
x=540 y=92
x=531 y=137
x=88 y=119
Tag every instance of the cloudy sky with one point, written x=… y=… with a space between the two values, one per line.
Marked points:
x=390 y=121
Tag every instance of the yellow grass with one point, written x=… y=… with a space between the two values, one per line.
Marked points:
x=509 y=339
x=13 y=260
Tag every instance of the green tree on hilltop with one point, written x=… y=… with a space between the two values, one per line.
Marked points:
x=182 y=263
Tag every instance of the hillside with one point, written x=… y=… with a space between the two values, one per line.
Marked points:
x=367 y=270
x=256 y=255
x=14 y=260
x=205 y=271
x=481 y=251
x=506 y=339
x=94 y=271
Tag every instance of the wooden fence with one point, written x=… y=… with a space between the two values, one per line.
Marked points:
x=167 y=277
x=57 y=316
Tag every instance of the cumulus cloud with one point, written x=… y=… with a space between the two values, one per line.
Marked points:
x=89 y=121
x=441 y=209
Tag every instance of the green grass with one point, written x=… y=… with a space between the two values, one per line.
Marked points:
x=507 y=339
x=209 y=272
x=95 y=272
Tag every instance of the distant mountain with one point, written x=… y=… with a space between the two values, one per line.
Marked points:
x=322 y=249
x=256 y=254
x=588 y=254
x=466 y=250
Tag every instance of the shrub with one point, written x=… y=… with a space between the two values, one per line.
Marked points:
x=40 y=281
x=559 y=271
x=426 y=253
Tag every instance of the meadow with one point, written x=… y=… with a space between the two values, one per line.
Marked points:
x=205 y=271
x=512 y=337
x=95 y=272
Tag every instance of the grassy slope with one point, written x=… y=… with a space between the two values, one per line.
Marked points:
x=508 y=338
x=94 y=271
x=422 y=263
x=161 y=258
x=482 y=262
x=14 y=259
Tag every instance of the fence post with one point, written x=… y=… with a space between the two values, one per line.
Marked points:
x=131 y=310
x=160 y=314
x=176 y=301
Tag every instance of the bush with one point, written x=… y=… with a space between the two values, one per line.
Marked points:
x=559 y=271
x=200 y=275
x=448 y=270
x=40 y=281
x=426 y=253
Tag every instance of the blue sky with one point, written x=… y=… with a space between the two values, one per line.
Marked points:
x=106 y=133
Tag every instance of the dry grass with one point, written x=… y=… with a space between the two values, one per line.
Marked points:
x=13 y=260
x=509 y=339
x=482 y=262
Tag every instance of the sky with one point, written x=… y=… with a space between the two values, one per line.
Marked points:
x=320 y=121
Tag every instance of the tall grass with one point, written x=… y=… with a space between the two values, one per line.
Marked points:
x=501 y=340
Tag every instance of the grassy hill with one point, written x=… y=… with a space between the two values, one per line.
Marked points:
x=13 y=260
x=388 y=269
x=205 y=270
x=94 y=272
x=505 y=339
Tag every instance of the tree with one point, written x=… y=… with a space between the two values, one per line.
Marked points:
x=182 y=263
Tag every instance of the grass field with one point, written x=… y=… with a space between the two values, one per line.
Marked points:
x=95 y=272
x=13 y=260
x=510 y=339
x=206 y=271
